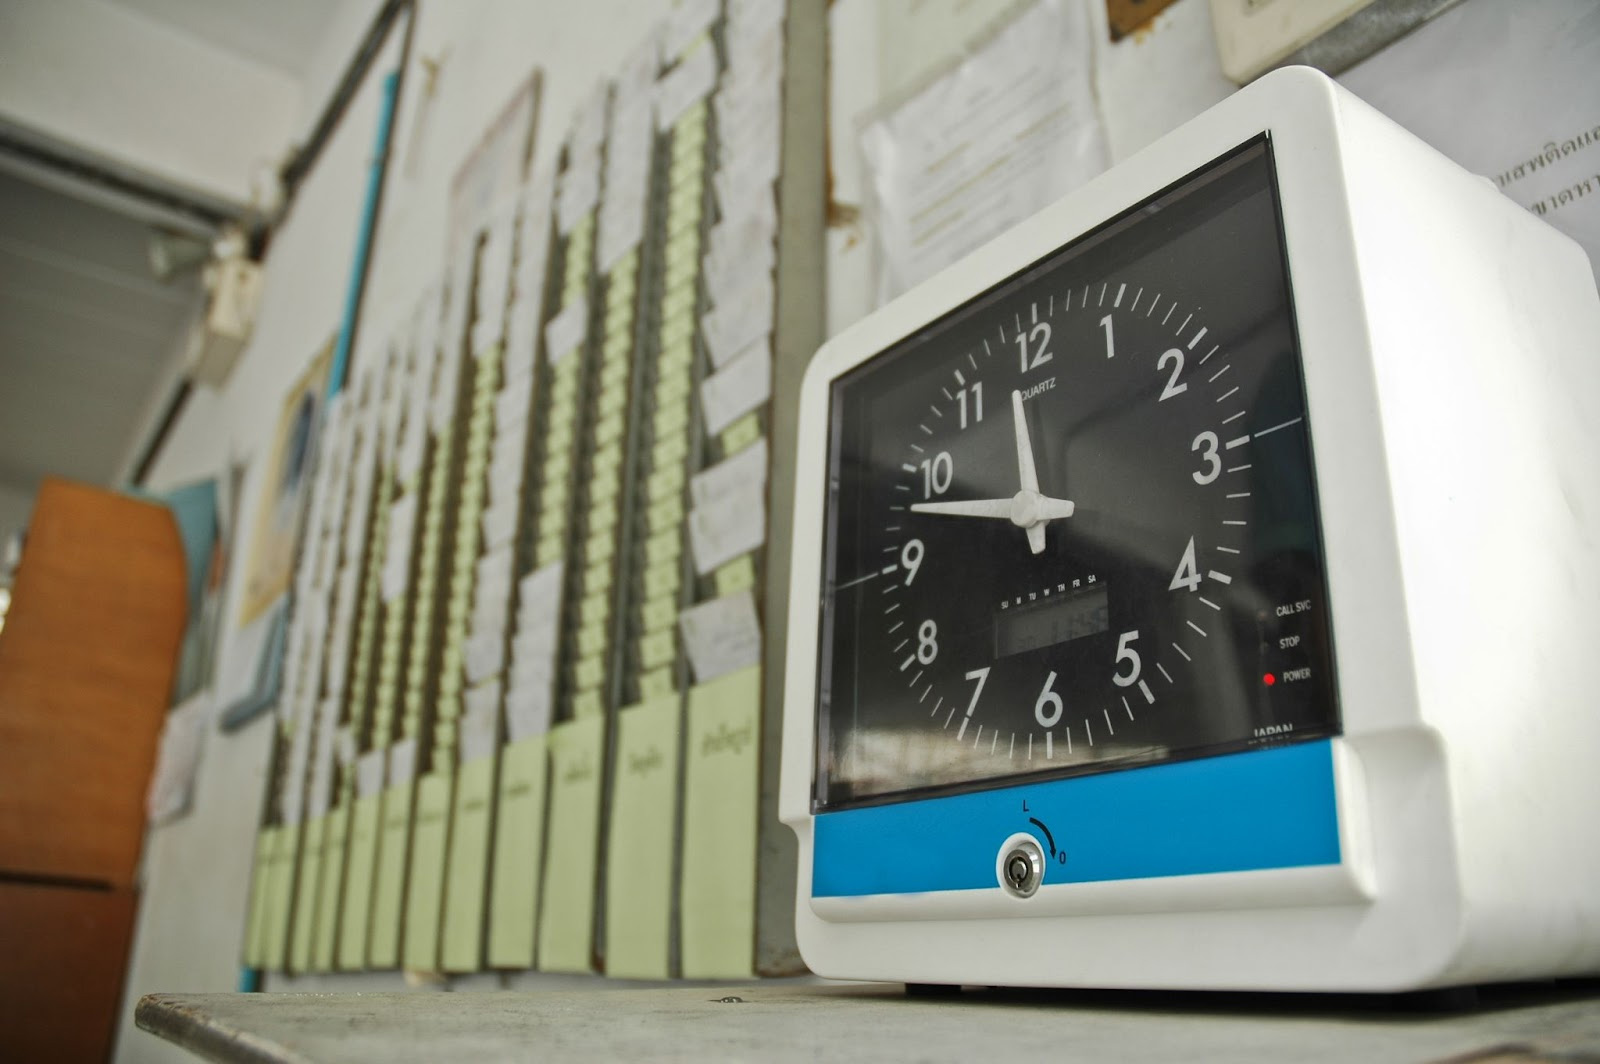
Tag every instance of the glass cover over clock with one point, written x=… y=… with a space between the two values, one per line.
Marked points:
x=1072 y=524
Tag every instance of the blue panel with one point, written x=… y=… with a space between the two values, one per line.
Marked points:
x=1241 y=812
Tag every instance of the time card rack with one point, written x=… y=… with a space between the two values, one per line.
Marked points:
x=534 y=667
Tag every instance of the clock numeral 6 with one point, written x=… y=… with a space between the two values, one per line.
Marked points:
x=1048 y=709
x=1126 y=653
x=1206 y=444
x=927 y=642
x=911 y=559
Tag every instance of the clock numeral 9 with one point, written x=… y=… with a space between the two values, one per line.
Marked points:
x=911 y=559
x=937 y=474
x=927 y=642
x=1048 y=709
x=1041 y=351
x=1206 y=444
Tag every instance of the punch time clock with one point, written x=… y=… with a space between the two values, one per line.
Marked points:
x=1197 y=587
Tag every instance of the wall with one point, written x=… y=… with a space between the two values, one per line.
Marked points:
x=15 y=506
x=1146 y=85
x=117 y=84
x=198 y=868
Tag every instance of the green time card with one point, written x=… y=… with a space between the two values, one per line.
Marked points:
x=642 y=839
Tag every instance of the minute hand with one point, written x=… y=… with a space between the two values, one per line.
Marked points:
x=1021 y=512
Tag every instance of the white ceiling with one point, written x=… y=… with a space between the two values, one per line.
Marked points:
x=279 y=33
x=86 y=333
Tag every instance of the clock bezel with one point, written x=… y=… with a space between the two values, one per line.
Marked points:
x=1363 y=578
x=1064 y=256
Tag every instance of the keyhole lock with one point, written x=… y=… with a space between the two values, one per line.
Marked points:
x=1022 y=868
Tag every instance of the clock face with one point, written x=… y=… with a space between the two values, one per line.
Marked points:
x=1072 y=525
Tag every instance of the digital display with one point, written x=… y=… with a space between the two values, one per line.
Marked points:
x=1071 y=526
x=1051 y=620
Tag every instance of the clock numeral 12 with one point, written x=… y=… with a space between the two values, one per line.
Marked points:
x=1041 y=352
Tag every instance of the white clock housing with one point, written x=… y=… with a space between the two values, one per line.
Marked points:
x=1450 y=349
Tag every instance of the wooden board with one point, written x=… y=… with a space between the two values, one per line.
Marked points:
x=61 y=970
x=86 y=664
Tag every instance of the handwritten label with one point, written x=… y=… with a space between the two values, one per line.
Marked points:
x=566 y=330
x=369 y=772
x=741 y=318
x=731 y=526
x=688 y=21
x=479 y=738
x=743 y=474
x=739 y=387
x=402 y=761
x=685 y=86
x=722 y=635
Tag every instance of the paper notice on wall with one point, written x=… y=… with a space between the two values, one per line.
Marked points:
x=172 y=783
x=721 y=636
x=1509 y=91
x=1009 y=129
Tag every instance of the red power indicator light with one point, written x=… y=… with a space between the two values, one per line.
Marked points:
x=1269 y=679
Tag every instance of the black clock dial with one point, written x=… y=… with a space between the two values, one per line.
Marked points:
x=1072 y=525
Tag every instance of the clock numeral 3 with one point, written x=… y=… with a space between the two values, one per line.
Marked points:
x=1206 y=444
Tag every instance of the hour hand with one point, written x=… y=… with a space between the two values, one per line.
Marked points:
x=1026 y=472
x=999 y=508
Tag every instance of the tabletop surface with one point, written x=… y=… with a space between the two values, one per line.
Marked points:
x=769 y=1023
